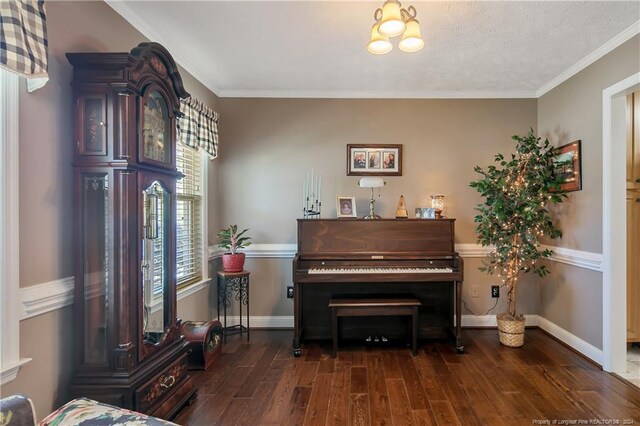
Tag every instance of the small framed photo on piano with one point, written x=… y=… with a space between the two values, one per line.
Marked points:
x=374 y=160
x=346 y=206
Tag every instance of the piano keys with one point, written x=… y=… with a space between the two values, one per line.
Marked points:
x=379 y=270
x=373 y=257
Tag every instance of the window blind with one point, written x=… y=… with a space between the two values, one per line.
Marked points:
x=189 y=215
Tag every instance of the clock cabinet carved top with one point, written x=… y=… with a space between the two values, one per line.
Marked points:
x=120 y=91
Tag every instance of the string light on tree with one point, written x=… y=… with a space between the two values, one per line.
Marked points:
x=514 y=216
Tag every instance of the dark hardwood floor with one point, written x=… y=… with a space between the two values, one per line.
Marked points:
x=262 y=383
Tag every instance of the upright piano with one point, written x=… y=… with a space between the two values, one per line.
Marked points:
x=338 y=257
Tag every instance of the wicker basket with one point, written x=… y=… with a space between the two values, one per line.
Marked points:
x=511 y=332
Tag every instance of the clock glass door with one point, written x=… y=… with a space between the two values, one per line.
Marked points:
x=155 y=262
x=95 y=266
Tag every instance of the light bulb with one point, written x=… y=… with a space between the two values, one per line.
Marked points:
x=391 y=23
x=379 y=44
x=411 y=39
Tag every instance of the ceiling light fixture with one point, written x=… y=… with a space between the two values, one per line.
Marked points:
x=391 y=21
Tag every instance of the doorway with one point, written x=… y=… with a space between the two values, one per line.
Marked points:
x=614 y=241
x=629 y=106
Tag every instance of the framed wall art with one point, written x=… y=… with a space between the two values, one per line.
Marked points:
x=374 y=160
x=346 y=206
x=569 y=163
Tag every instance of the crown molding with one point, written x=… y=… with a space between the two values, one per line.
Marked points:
x=394 y=94
x=146 y=29
x=609 y=46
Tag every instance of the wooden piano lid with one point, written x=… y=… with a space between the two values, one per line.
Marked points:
x=383 y=237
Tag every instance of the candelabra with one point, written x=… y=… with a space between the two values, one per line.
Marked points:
x=311 y=199
x=312 y=209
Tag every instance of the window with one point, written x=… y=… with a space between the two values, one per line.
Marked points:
x=189 y=217
x=10 y=361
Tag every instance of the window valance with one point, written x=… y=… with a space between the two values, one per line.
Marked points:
x=23 y=40
x=198 y=127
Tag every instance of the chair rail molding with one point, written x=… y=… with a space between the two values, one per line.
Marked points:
x=41 y=298
x=46 y=297
x=579 y=258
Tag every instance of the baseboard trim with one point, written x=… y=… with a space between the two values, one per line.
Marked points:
x=587 y=349
x=468 y=321
x=489 y=321
x=258 y=322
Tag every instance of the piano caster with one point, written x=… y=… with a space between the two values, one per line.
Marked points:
x=296 y=353
x=460 y=349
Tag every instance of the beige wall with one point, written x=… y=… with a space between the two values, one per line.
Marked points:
x=571 y=111
x=572 y=297
x=45 y=190
x=47 y=339
x=268 y=146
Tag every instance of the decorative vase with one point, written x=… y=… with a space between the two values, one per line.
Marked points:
x=233 y=262
x=511 y=331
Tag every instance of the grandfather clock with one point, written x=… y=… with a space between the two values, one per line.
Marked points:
x=128 y=347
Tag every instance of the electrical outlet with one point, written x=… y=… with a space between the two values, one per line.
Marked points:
x=475 y=291
x=495 y=291
x=289 y=292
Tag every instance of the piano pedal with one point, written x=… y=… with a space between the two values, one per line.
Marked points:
x=376 y=340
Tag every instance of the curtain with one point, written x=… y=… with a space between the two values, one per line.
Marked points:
x=198 y=127
x=23 y=40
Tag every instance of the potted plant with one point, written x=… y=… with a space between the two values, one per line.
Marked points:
x=513 y=219
x=233 y=240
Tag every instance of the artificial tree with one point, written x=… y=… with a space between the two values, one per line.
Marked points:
x=514 y=216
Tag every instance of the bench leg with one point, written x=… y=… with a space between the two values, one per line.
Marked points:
x=334 y=331
x=414 y=330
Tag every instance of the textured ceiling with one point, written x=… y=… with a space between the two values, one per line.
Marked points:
x=318 y=48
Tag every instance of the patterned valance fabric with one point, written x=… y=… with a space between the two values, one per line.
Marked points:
x=23 y=40
x=198 y=127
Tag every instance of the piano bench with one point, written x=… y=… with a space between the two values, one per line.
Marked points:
x=372 y=307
